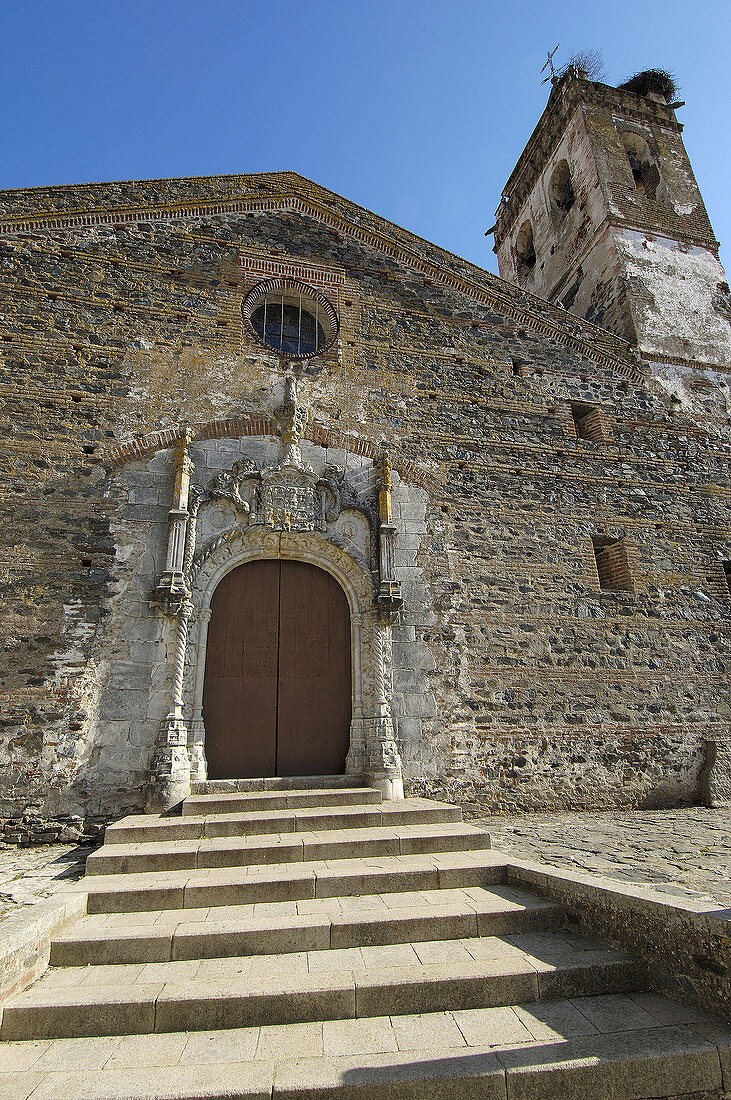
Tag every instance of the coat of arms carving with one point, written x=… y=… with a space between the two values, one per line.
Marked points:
x=287 y=499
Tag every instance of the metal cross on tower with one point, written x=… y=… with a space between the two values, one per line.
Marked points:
x=549 y=64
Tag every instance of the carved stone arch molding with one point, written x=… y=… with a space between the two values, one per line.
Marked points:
x=373 y=752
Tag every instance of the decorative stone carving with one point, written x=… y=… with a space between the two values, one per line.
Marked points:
x=390 y=600
x=330 y=487
x=354 y=530
x=287 y=495
x=292 y=419
x=268 y=541
x=287 y=499
x=237 y=484
x=171 y=589
x=281 y=510
x=171 y=763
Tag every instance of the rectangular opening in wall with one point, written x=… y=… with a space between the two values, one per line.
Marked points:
x=588 y=422
x=611 y=565
x=727 y=573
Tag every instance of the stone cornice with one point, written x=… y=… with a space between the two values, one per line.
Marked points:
x=678 y=361
x=301 y=196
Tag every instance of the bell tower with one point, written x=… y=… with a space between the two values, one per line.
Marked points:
x=602 y=215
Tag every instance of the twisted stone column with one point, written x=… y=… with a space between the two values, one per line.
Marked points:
x=170 y=780
x=181 y=643
x=384 y=761
x=171 y=767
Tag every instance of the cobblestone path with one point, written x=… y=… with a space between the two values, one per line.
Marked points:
x=29 y=874
x=678 y=851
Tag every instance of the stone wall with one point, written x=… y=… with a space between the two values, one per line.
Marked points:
x=678 y=298
x=517 y=682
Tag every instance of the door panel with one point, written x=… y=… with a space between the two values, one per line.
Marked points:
x=277 y=695
x=240 y=695
x=314 y=673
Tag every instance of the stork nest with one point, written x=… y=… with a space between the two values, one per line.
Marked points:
x=653 y=82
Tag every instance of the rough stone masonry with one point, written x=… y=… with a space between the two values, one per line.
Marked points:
x=539 y=586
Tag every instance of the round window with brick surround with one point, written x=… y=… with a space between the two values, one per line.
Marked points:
x=291 y=318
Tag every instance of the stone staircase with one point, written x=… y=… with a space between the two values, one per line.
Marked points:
x=279 y=939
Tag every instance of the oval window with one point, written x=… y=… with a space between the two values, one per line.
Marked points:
x=291 y=318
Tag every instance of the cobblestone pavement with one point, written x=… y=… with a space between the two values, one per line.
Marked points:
x=29 y=874
x=678 y=851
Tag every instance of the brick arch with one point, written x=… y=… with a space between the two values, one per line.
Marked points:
x=237 y=427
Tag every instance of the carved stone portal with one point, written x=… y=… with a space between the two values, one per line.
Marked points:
x=373 y=750
x=284 y=510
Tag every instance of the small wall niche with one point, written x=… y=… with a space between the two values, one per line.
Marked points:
x=645 y=172
x=525 y=249
x=588 y=422
x=612 y=566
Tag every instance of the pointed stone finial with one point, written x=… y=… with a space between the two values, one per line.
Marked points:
x=386 y=487
x=183 y=466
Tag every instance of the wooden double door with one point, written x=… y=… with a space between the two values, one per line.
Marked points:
x=277 y=694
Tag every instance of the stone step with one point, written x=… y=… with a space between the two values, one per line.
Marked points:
x=314 y=783
x=626 y=1047
x=148 y=829
x=593 y=1048
x=285 y=848
x=221 y=797
x=327 y=958
x=154 y=890
x=313 y=924
x=367 y=981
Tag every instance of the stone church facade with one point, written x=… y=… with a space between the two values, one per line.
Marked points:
x=225 y=393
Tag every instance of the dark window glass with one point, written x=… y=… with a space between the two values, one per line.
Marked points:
x=289 y=329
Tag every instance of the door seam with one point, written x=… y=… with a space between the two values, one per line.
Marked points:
x=279 y=641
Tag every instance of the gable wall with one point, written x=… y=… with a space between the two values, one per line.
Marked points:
x=519 y=682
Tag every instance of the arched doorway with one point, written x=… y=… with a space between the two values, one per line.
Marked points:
x=277 y=690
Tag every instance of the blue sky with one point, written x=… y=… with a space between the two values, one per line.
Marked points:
x=416 y=109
